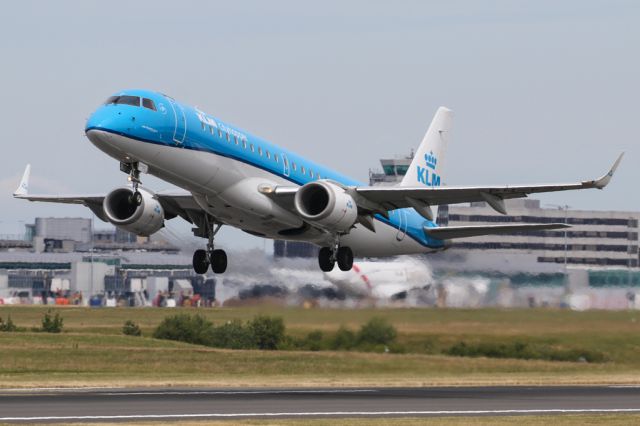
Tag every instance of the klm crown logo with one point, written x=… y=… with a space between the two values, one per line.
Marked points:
x=424 y=175
x=431 y=160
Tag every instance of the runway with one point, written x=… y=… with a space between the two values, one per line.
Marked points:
x=103 y=404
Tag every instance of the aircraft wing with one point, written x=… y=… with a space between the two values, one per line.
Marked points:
x=178 y=204
x=380 y=199
x=392 y=197
x=174 y=203
x=93 y=202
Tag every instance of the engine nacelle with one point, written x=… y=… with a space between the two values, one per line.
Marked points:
x=144 y=219
x=327 y=206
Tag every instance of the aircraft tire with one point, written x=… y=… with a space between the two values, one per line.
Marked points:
x=135 y=198
x=218 y=261
x=345 y=258
x=324 y=260
x=200 y=262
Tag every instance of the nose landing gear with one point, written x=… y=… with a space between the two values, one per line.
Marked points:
x=133 y=169
x=327 y=257
x=215 y=257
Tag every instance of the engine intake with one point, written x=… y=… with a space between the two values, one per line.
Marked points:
x=122 y=211
x=327 y=206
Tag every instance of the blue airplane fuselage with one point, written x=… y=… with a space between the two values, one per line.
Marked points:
x=167 y=123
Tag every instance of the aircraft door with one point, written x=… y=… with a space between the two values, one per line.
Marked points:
x=402 y=224
x=180 y=129
x=285 y=162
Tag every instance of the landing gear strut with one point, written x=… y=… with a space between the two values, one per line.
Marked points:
x=216 y=258
x=327 y=257
x=134 y=177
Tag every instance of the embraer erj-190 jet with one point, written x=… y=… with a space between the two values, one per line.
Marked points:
x=231 y=177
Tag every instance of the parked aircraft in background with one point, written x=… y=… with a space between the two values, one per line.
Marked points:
x=231 y=177
x=383 y=280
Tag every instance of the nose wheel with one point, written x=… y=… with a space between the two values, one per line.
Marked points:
x=328 y=257
x=133 y=169
x=135 y=197
x=215 y=258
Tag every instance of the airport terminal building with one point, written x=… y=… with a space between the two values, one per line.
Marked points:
x=595 y=239
x=65 y=256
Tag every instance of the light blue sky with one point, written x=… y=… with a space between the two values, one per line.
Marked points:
x=543 y=91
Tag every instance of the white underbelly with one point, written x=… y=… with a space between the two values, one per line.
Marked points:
x=208 y=174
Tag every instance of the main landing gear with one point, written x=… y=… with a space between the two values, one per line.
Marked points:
x=134 y=177
x=216 y=258
x=327 y=257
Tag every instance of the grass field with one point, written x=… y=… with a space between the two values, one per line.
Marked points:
x=92 y=351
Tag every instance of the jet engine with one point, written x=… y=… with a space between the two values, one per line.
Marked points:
x=122 y=210
x=326 y=205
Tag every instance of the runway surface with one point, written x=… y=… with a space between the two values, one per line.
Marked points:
x=103 y=404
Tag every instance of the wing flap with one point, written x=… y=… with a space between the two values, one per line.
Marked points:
x=452 y=232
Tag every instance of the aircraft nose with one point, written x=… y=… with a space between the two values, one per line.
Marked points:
x=101 y=127
x=102 y=119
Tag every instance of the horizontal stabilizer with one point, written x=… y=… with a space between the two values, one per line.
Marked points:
x=451 y=232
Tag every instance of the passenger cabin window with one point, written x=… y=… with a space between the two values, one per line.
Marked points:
x=252 y=148
x=228 y=138
x=244 y=144
x=260 y=151
x=268 y=155
x=302 y=169
x=204 y=126
x=235 y=139
x=310 y=172
x=124 y=100
x=220 y=133
x=275 y=157
x=294 y=166
x=211 y=129
x=148 y=103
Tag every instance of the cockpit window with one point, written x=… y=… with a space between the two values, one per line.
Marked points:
x=124 y=100
x=148 y=103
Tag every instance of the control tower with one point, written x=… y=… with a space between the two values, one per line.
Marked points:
x=393 y=170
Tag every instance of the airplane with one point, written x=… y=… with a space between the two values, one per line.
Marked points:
x=228 y=176
x=382 y=280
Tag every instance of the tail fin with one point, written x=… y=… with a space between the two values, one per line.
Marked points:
x=427 y=165
x=23 y=188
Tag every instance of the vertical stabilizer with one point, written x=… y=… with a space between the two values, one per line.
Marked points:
x=427 y=166
x=23 y=187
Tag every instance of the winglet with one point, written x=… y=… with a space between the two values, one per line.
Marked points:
x=604 y=180
x=23 y=188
